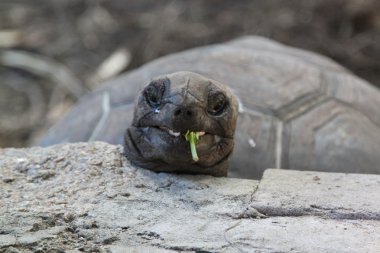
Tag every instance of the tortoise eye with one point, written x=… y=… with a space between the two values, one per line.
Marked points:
x=154 y=93
x=217 y=104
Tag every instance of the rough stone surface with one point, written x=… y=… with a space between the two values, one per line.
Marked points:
x=86 y=197
x=331 y=195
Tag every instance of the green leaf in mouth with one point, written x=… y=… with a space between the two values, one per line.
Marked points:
x=193 y=138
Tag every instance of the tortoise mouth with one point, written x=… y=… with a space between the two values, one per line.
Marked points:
x=170 y=131
x=180 y=134
x=206 y=139
x=151 y=145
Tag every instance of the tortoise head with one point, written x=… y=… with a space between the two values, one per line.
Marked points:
x=170 y=106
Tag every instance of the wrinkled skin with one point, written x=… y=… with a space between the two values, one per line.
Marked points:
x=173 y=104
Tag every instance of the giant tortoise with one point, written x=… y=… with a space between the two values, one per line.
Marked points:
x=297 y=110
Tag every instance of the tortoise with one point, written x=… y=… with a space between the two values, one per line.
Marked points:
x=296 y=109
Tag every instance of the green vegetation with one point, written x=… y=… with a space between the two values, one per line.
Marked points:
x=193 y=138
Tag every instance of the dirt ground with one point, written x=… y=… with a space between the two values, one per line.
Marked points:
x=50 y=51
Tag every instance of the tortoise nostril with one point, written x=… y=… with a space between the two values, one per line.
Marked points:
x=183 y=113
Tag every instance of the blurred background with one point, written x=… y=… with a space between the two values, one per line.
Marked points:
x=52 y=52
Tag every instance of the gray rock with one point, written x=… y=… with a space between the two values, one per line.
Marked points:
x=137 y=249
x=335 y=195
x=93 y=200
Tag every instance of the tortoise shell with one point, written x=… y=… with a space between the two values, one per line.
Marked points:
x=298 y=110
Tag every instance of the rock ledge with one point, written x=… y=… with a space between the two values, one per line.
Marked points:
x=86 y=197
